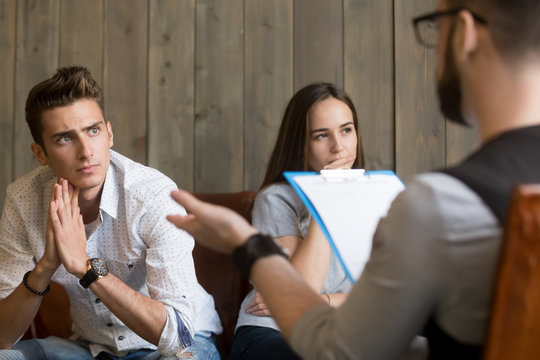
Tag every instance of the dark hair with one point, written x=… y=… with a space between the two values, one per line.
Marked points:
x=290 y=150
x=513 y=24
x=68 y=85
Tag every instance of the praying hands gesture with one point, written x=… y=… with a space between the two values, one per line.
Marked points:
x=67 y=228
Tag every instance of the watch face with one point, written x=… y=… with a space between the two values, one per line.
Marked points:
x=99 y=266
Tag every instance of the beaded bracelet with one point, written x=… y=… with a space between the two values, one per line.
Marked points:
x=40 y=293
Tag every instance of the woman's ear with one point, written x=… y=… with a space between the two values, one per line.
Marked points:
x=39 y=154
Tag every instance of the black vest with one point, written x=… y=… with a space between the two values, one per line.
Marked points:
x=492 y=172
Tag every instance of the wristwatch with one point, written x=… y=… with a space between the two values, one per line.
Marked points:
x=256 y=246
x=96 y=268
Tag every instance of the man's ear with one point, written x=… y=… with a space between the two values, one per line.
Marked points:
x=39 y=154
x=111 y=135
x=465 y=39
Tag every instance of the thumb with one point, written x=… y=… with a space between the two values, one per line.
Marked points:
x=188 y=201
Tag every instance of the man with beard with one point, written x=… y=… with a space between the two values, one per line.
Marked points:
x=434 y=256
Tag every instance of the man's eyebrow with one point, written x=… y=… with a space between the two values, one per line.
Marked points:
x=71 y=132
x=96 y=124
x=62 y=133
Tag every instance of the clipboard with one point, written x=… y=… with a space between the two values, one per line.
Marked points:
x=347 y=205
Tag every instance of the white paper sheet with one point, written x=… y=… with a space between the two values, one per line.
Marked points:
x=350 y=207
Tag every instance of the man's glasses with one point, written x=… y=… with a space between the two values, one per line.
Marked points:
x=426 y=27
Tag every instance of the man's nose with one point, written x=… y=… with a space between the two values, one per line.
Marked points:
x=85 y=149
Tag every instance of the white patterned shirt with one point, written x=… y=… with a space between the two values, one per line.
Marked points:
x=140 y=246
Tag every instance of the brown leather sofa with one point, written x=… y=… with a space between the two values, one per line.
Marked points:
x=215 y=273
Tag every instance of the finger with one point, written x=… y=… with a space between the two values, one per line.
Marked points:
x=76 y=213
x=53 y=207
x=188 y=201
x=251 y=305
x=339 y=164
x=53 y=193
x=256 y=307
x=65 y=193
x=58 y=197
x=261 y=313
x=81 y=229
x=182 y=221
x=75 y=200
x=70 y=190
x=259 y=308
x=55 y=220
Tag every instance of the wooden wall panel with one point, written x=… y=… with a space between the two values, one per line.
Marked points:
x=268 y=81
x=36 y=60
x=460 y=142
x=81 y=35
x=125 y=74
x=369 y=75
x=219 y=96
x=171 y=89
x=8 y=10
x=318 y=42
x=197 y=88
x=420 y=131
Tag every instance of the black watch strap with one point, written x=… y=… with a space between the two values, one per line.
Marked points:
x=96 y=268
x=255 y=247
x=88 y=278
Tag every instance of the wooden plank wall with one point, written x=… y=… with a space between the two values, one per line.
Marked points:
x=197 y=88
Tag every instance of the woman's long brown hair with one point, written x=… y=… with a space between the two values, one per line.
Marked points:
x=290 y=150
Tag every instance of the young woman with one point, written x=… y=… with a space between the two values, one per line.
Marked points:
x=319 y=130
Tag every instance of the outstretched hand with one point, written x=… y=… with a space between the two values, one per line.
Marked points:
x=213 y=226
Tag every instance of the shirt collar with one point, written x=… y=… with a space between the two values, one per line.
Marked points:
x=110 y=194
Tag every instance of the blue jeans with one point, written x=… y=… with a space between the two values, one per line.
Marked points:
x=54 y=348
x=261 y=343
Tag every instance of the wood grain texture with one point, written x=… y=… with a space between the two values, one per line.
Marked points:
x=171 y=86
x=197 y=88
x=318 y=42
x=125 y=75
x=460 y=142
x=219 y=96
x=81 y=35
x=36 y=60
x=8 y=10
x=268 y=81
x=369 y=75
x=420 y=131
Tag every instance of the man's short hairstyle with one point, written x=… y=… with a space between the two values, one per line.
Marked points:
x=68 y=85
x=514 y=24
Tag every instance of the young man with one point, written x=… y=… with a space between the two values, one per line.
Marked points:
x=94 y=221
x=434 y=256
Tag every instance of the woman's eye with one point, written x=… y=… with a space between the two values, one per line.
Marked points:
x=347 y=130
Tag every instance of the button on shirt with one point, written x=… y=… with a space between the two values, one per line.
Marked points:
x=139 y=245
